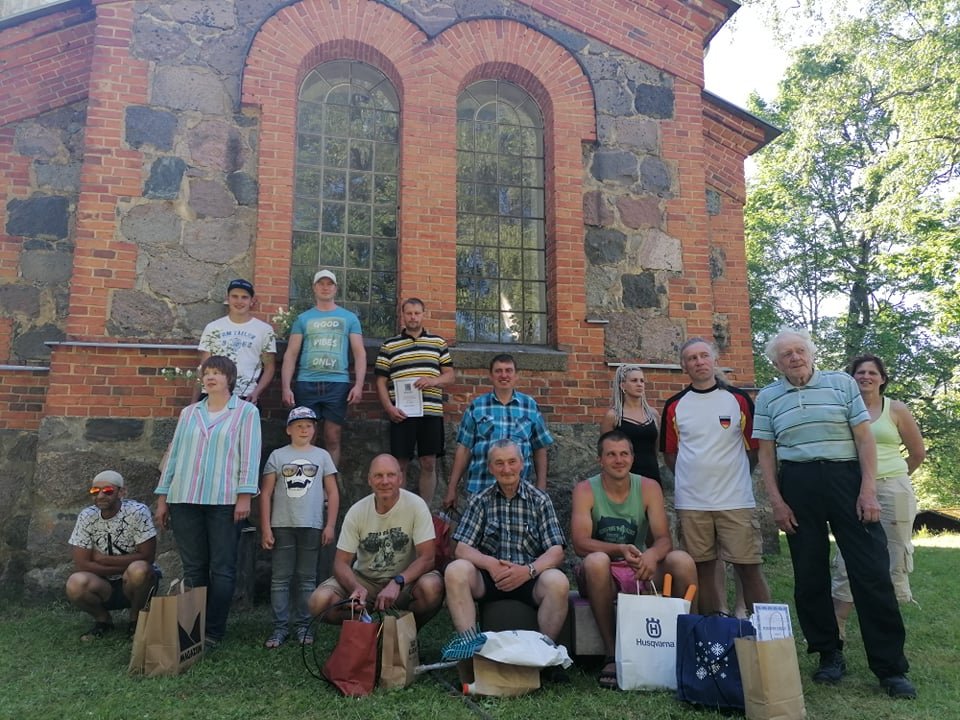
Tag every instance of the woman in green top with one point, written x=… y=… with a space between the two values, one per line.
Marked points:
x=893 y=426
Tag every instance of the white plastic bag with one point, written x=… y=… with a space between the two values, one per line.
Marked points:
x=524 y=647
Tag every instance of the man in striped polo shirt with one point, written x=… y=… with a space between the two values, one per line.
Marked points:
x=815 y=423
x=411 y=370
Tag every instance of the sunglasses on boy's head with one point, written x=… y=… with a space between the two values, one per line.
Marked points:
x=290 y=469
x=108 y=490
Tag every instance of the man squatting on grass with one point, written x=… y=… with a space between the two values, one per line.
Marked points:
x=114 y=545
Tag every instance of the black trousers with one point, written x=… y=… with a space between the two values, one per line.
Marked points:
x=822 y=493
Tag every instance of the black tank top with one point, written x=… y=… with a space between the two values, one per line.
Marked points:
x=643 y=437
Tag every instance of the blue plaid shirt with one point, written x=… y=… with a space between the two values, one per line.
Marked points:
x=519 y=529
x=487 y=420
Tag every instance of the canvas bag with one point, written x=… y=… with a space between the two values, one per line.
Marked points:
x=707 y=670
x=400 y=654
x=169 y=636
x=771 y=679
x=646 y=647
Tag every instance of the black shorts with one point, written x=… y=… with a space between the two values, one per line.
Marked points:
x=524 y=593
x=425 y=434
x=117 y=599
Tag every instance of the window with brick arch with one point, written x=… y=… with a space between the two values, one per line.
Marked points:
x=501 y=267
x=346 y=190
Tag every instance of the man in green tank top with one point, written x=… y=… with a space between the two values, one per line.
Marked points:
x=611 y=514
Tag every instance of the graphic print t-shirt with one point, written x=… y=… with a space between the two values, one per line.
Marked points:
x=385 y=545
x=325 y=352
x=119 y=535
x=298 y=495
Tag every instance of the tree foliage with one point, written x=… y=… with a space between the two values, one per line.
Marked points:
x=852 y=217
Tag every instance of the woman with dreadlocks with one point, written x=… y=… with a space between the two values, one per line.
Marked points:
x=632 y=415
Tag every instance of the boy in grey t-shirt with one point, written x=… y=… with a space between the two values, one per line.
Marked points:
x=296 y=480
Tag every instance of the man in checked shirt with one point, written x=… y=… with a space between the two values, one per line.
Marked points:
x=509 y=545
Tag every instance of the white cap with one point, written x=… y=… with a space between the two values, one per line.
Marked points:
x=325 y=274
x=109 y=477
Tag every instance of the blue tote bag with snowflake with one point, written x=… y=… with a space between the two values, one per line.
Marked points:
x=708 y=673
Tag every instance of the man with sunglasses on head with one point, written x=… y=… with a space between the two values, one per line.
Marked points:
x=114 y=546
x=296 y=481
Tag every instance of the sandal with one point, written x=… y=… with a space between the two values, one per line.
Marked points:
x=304 y=636
x=98 y=630
x=278 y=638
x=608 y=674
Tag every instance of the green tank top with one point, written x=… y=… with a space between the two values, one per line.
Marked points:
x=890 y=461
x=624 y=522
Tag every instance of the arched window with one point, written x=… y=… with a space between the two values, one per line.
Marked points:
x=346 y=192
x=501 y=269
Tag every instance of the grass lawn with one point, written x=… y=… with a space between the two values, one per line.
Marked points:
x=48 y=673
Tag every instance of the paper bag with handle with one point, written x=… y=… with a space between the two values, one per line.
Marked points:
x=771 y=679
x=401 y=654
x=169 y=636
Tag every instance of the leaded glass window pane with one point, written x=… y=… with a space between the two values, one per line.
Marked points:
x=501 y=267
x=346 y=190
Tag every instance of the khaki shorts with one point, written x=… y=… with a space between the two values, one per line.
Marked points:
x=898 y=508
x=731 y=535
x=375 y=586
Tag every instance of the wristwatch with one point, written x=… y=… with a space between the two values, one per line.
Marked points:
x=533 y=571
x=399 y=580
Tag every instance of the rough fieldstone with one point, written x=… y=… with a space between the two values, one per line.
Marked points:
x=244 y=188
x=639 y=72
x=195 y=316
x=41 y=215
x=192 y=279
x=153 y=41
x=211 y=199
x=660 y=339
x=602 y=286
x=604 y=246
x=714 y=202
x=613 y=97
x=227 y=53
x=432 y=17
x=36 y=141
x=253 y=12
x=642 y=212
x=601 y=67
x=217 y=241
x=655 y=176
x=654 y=101
x=166 y=174
x=616 y=166
x=149 y=126
x=29 y=346
x=659 y=251
x=596 y=209
x=218 y=144
x=46 y=266
x=644 y=135
x=642 y=291
x=112 y=429
x=58 y=177
x=156 y=226
x=17 y=299
x=185 y=87
x=206 y=13
x=718 y=262
x=136 y=314
x=721 y=331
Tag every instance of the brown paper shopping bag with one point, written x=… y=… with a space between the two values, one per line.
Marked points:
x=498 y=679
x=771 y=679
x=401 y=654
x=170 y=632
x=352 y=666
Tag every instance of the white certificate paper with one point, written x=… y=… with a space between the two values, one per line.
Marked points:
x=772 y=621
x=409 y=397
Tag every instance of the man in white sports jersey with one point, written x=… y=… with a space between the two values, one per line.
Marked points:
x=706 y=440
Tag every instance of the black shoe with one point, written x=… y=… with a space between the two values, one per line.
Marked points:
x=832 y=668
x=555 y=674
x=897 y=686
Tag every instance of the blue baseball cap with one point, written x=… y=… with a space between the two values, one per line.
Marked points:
x=301 y=413
x=241 y=284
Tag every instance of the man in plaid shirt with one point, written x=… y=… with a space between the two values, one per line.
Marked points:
x=509 y=545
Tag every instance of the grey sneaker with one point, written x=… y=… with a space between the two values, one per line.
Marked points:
x=897 y=686
x=832 y=668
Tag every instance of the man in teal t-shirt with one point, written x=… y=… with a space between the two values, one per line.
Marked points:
x=321 y=341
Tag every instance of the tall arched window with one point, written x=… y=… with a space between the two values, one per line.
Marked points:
x=501 y=269
x=346 y=193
